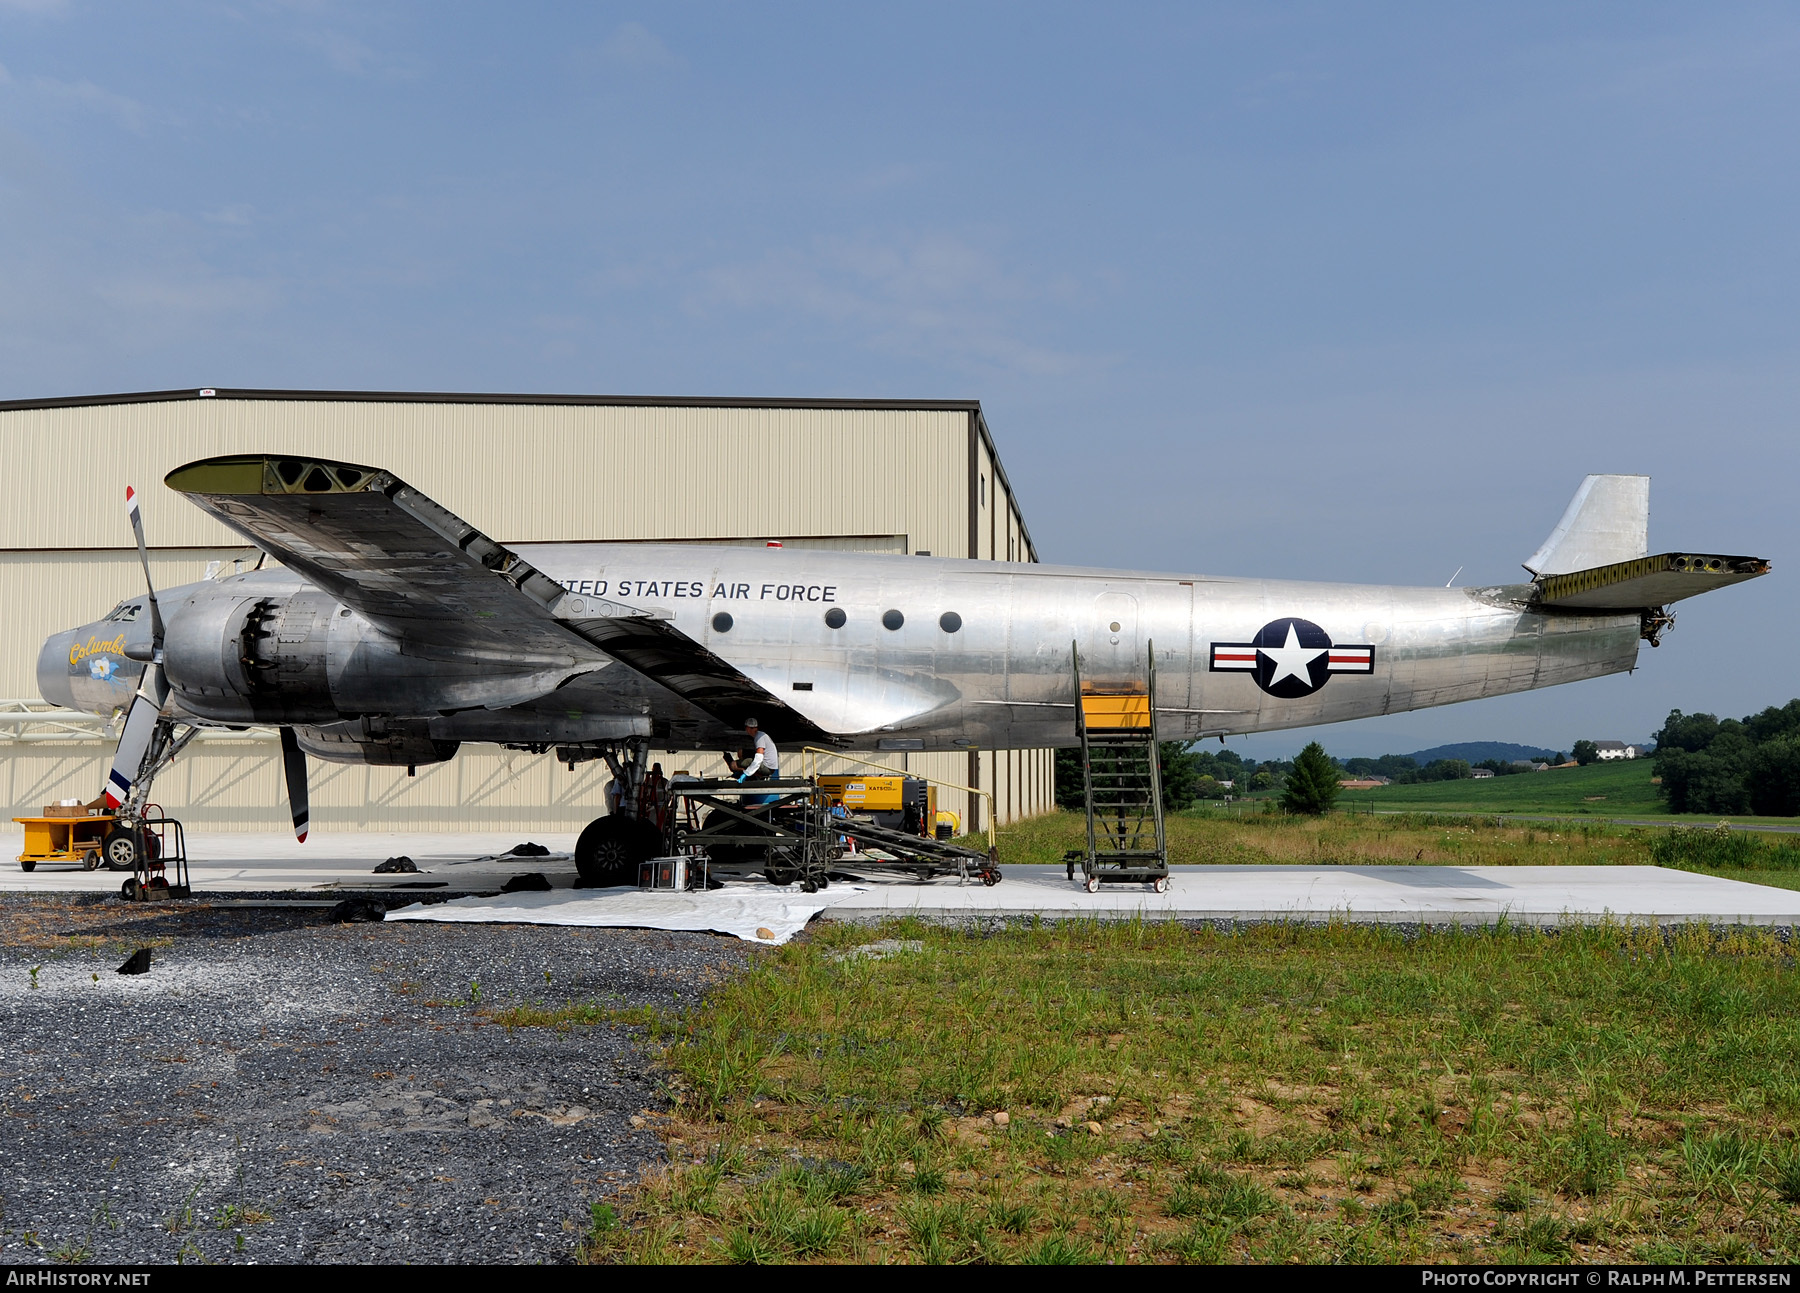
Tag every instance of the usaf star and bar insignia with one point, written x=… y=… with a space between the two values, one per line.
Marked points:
x=1291 y=658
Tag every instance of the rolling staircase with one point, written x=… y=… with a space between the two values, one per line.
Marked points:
x=1122 y=785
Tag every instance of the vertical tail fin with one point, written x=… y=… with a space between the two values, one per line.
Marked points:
x=1607 y=521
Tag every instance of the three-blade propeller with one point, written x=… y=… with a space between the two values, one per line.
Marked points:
x=153 y=693
x=153 y=688
x=293 y=767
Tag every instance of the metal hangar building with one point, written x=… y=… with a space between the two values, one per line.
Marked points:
x=885 y=476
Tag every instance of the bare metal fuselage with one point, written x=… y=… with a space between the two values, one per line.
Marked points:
x=1001 y=678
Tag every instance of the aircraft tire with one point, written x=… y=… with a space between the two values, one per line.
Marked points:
x=122 y=849
x=731 y=855
x=610 y=849
x=779 y=873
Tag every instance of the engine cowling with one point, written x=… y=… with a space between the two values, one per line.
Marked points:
x=260 y=651
x=358 y=743
x=236 y=658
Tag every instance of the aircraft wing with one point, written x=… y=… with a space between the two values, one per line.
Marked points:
x=425 y=575
x=664 y=654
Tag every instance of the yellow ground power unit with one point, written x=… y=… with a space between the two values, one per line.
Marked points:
x=898 y=802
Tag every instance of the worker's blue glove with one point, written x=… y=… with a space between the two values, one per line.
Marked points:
x=743 y=777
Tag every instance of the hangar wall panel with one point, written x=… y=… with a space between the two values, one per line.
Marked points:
x=520 y=473
x=235 y=785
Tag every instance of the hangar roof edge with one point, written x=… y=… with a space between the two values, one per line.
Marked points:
x=465 y=397
x=970 y=407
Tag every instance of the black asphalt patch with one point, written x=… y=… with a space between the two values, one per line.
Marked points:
x=282 y=1088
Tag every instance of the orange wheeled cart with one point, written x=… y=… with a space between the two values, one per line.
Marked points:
x=62 y=834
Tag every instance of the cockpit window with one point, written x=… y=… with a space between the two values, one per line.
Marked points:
x=125 y=611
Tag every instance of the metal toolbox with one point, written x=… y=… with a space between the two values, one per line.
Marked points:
x=663 y=873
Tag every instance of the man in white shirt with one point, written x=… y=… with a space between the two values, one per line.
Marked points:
x=765 y=758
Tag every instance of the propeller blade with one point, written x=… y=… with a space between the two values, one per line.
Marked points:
x=293 y=764
x=134 y=740
x=137 y=528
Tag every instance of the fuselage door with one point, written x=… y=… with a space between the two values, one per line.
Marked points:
x=1112 y=653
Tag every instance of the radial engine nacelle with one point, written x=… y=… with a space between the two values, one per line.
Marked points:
x=262 y=648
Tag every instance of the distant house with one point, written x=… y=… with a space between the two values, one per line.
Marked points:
x=1479 y=773
x=1610 y=750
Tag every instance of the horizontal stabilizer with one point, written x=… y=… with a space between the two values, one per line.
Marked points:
x=1608 y=521
x=1645 y=582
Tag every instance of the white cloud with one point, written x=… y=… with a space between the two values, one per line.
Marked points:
x=125 y=112
x=237 y=215
x=344 y=53
x=898 y=175
x=200 y=296
x=635 y=45
x=935 y=296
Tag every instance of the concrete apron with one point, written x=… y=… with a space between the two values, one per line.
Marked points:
x=1429 y=895
x=224 y=864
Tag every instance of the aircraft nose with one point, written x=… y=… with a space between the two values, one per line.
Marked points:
x=53 y=670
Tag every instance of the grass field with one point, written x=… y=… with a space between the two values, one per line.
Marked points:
x=1147 y=1093
x=1356 y=839
x=1621 y=789
x=1602 y=790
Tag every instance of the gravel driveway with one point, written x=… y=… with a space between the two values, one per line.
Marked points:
x=282 y=1088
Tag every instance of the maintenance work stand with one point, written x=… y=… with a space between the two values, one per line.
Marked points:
x=780 y=827
x=798 y=830
x=1121 y=778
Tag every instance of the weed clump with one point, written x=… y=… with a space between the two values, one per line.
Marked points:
x=1721 y=848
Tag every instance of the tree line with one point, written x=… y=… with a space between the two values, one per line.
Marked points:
x=1704 y=764
x=1748 y=765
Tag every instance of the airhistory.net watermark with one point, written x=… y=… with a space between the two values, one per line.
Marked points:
x=1699 y=1277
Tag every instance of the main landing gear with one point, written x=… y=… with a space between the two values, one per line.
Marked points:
x=612 y=848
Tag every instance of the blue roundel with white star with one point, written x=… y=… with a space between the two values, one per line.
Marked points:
x=1291 y=658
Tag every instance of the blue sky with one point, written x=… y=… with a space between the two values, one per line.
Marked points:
x=1323 y=291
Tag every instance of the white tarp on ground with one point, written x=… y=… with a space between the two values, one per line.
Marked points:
x=748 y=911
